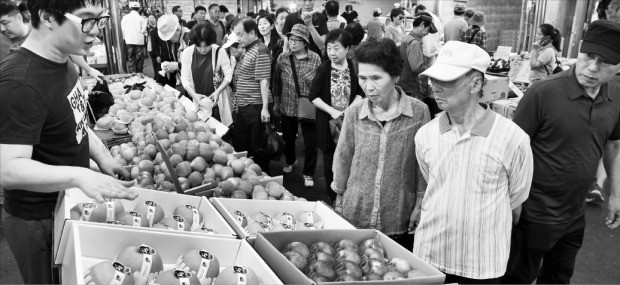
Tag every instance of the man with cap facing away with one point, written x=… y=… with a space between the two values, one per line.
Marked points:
x=375 y=26
x=412 y=53
x=573 y=119
x=478 y=166
x=454 y=28
x=133 y=27
x=291 y=83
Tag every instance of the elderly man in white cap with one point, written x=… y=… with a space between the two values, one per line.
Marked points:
x=133 y=27
x=478 y=166
x=168 y=47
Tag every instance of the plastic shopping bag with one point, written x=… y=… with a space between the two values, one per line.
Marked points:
x=272 y=145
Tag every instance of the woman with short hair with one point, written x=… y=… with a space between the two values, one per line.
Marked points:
x=333 y=89
x=376 y=173
x=394 y=30
x=206 y=70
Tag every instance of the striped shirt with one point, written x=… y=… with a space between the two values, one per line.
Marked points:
x=474 y=181
x=252 y=67
x=284 y=85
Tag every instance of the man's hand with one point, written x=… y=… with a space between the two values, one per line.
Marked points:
x=414 y=220
x=613 y=212
x=158 y=59
x=307 y=18
x=94 y=73
x=97 y=186
x=264 y=115
x=172 y=67
x=113 y=168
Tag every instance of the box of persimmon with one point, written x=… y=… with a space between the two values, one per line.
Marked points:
x=151 y=210
x=98 y=254
x=344 y=257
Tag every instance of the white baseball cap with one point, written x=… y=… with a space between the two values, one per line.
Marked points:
x=133 y=4
x=457 y=58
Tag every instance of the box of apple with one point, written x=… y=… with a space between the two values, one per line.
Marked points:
x=104 y=255
x=343 y=256
x=248 y=218
x=152 y=210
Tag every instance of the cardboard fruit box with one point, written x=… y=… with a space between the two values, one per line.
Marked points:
x=330 y=219
x=167 y=200
x=92 y=243
x=269 y=245
x=495 y=88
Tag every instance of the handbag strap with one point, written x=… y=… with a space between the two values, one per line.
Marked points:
x=295 y=75
x=472 y=36
x=217 y=54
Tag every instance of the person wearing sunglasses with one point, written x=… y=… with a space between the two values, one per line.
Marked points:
x=46 y=142
x=15 y=25
x=395 y=30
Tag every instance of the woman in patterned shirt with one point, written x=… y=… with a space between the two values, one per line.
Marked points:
x=333 y=89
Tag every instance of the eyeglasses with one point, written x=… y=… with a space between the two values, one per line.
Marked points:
x=89 y=24
x=295 y=41
x=401 y=17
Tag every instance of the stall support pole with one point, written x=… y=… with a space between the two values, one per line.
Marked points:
x=117 y=48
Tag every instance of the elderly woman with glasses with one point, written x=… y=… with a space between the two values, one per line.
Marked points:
x=376 y=173
x=395 y=30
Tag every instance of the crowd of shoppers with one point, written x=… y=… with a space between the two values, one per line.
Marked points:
x=406 y=144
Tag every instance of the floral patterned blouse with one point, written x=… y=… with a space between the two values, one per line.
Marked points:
x=340 y=88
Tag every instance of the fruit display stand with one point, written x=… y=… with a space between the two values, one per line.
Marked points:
x=167 y=200
x=329 y=218
x=91 y=243
x=269 y=246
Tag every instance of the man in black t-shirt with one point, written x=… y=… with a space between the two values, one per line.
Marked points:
x=314 y=20
x=573 y=120
x=45 y=140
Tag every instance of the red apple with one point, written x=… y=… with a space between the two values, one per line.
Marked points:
x=346 y=244
x=322 y=247
x=298 y=247
x=319 y=255
x=345 y=254
x=321 y=268
x=240 y=218
x=400 y=265
x=261 y=217
x=297 y=259
x=347 y=267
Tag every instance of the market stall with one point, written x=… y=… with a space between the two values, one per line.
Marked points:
x=178 y=160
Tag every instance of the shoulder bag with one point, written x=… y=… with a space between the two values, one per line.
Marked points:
x=305 y=108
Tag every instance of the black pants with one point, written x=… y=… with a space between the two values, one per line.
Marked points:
x=247 y=133
x=463 y=280
x=156 y=66
x=545 y=253
x=135 y=58
x=31 y=244
x=328 y=162
x=289 y=134
x=405 y=240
